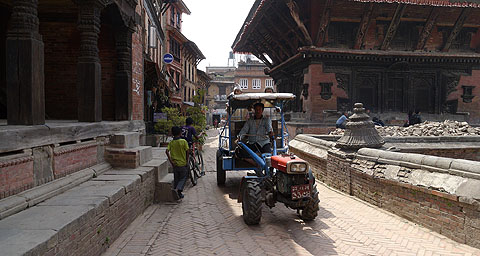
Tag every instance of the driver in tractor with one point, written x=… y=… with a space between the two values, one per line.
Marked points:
x=258 y=131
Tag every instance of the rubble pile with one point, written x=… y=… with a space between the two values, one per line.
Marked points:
x=427 y=128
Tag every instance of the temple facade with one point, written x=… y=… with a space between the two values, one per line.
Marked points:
x=393 y=56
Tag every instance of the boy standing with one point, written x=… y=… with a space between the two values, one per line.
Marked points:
x=177 y=153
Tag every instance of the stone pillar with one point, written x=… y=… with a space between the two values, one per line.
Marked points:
x=89 y=88
x=25 y=65
x=123 y=76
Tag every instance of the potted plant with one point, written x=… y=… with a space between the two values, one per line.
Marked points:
x=197 y=113
x=164 y=126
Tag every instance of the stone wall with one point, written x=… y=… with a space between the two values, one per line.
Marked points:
x=106 y=221
x=33 y=156
x=440 y=193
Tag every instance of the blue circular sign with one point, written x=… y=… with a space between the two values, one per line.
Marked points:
x=168 y=58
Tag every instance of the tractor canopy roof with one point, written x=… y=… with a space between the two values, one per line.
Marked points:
x=246 y=100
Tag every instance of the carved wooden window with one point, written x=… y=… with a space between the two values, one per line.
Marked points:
x=326 y=92
x=175 y=49
x=243 y=83
x=406 y=36
x=256 y=84
x=461 y=41
x=172 y=16
x=341 y=34
x=467 y=93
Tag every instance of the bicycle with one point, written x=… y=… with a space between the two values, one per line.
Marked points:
x=195 y=164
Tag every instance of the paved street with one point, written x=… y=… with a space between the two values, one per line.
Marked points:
x=209 y=222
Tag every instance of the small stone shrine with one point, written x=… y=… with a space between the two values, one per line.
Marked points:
x=360 y=131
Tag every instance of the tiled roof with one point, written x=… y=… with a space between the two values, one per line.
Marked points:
x=257 y=7
x=443 y=3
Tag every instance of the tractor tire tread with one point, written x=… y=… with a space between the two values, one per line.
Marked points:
x=310 y=212
x=253 y=202
x=221 y=173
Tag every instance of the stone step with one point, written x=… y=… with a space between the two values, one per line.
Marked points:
x=128 y=157
x=83 y=220
x=161 y=167
x=125 y=140
x=163 y=189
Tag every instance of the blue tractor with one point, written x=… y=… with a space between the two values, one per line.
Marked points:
x=278 y=176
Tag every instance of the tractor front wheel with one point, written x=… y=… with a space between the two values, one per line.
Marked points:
x=252 y=202
x=221 y=173
x=310 y=212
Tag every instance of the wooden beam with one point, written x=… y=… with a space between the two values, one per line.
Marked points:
x=288 y=24
x=363 y=27
x=262 y=58
x=274 y=40
x=427 y=28
x=280 y=33
x=293 y=7
x=456 y=28
x=392 y=28
x=272 y=54
x=323 y=26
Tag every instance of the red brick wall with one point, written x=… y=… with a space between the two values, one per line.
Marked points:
x=108 y=60
x=438 y=211
x=137 y=74
x=474 y=106
x=71 y=158
x=16 y=175
x=98 y=231
x=62 y=43
x=315 y=105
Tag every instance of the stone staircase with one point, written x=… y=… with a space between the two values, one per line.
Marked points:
x=84 y=217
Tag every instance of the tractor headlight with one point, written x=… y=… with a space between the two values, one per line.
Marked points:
x=298 y=167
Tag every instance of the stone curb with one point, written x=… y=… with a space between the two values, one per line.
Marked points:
x=458 y=167
x=31 y=197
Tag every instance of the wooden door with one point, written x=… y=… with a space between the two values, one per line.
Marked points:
x=394 y=92
x=367 y=90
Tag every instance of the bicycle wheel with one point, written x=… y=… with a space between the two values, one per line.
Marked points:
x=192 y=174
x=199 y=161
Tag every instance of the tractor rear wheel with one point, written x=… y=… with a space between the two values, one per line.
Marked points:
x=221 y=173
x=252 y=202
x=310 y=212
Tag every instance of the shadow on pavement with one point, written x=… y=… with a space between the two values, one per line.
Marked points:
x=279 y=223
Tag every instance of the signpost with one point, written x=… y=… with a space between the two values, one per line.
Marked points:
x=168 y=58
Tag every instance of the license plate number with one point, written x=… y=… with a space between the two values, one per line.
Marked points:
x=300 y=191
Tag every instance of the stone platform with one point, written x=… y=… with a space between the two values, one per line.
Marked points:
x=86 y=218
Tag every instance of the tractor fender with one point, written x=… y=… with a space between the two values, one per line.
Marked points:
x=243 y=182
x=311 y=178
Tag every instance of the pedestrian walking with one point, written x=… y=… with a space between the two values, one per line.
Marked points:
x=177 y=153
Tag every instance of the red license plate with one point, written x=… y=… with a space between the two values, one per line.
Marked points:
x=300 y=191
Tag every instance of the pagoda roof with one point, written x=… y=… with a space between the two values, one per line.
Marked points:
x=257 y=10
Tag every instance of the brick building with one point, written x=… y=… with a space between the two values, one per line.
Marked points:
x=394 y=56
x=191 y=58
x=223 y=80
x=72 y=73
x=250 y=75
x=174 y=45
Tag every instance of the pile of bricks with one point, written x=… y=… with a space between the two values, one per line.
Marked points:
x=427 y=128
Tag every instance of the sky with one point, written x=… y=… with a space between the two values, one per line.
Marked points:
x=213 y=26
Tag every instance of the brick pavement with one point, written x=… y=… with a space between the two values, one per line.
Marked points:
x=209 y=222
